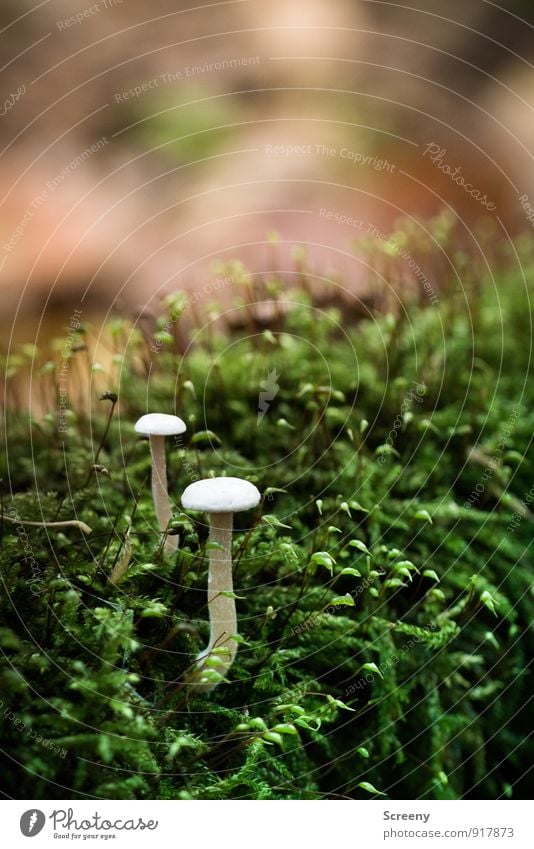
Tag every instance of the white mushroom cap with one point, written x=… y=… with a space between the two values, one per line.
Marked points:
x=160 y=424
x=221 y=495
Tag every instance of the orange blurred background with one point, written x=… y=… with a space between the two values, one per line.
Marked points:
x=140 y=143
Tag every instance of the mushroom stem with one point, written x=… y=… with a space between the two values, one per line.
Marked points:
x=68 y=523
x=159 y=489
x=222 y=612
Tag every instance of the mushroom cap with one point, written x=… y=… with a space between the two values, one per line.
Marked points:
x=220 y=495
x=159 y=424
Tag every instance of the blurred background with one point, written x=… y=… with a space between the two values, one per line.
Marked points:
x=142 y=144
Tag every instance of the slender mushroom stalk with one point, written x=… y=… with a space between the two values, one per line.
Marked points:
x=221 y=497
x=160 y=492
x=223 y=616
x=157 y=426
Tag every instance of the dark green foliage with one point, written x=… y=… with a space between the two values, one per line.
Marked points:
x=385 y=596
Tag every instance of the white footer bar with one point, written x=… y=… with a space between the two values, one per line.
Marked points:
x=267 y=825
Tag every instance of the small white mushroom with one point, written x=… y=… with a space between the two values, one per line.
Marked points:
x=221 y=498
x=157 y=426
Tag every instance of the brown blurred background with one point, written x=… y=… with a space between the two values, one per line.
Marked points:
x=142 y=142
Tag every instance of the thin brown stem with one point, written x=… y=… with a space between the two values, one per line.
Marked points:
x=70 y=523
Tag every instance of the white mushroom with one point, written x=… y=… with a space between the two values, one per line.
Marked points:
x=220 y=497
x=157 y=426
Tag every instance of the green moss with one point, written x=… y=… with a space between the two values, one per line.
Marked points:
x=385 y=594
